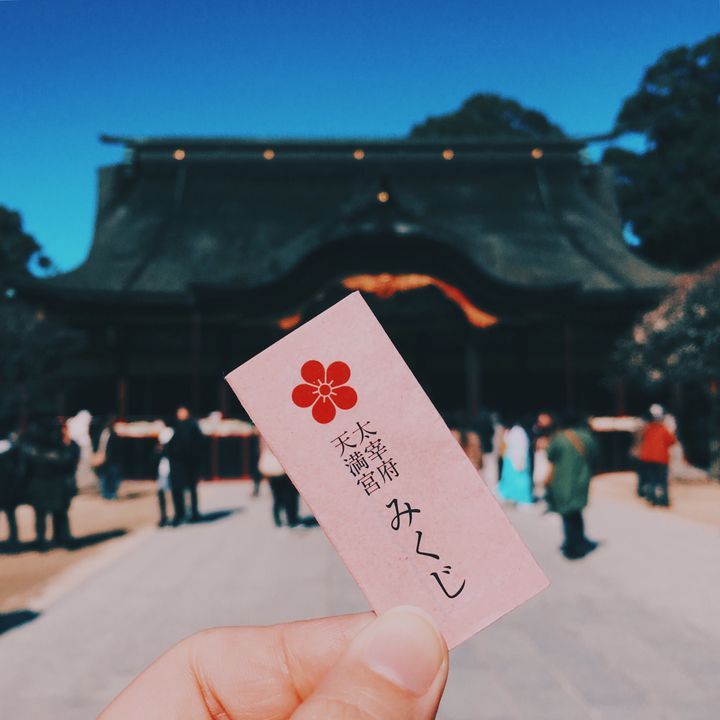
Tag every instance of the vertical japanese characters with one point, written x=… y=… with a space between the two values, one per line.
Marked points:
x=368 y=461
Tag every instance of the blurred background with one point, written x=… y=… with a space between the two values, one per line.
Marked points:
x=528 y=197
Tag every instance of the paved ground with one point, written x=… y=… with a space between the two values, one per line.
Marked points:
x=698 y=501
x=94 y=521
x=631 y=632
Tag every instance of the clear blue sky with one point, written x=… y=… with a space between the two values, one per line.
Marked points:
x=71 y=69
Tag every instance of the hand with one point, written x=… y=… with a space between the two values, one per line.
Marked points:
x=354 y=667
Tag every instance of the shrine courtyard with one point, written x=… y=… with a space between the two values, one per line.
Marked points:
x=630 y=632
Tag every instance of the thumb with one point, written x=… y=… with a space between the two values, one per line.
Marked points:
x=395 y=668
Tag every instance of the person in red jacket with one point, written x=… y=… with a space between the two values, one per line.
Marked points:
x=654 y=455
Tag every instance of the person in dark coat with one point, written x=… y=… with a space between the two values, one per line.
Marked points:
x=573 y=455
x=12 y=484
x=285 y=495
x=162 y=481
x=107 y=461
x=186 y=451
x=52 y=459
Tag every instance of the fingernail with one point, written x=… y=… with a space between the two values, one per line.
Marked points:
x=405 y=648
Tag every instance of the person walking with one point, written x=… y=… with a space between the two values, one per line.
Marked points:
x=654 y=457
x=79 y=430
x=253 y=448
x=285 y=496
x=72 y=454
x=486 y=431
x=469 y=440
x=573 y=455
x=542 y=431
x=162 y=482
x=515 y=479
x=106 y=460
x=185 y=451
x=12 y=484
x=492 y=458
x=52 y=459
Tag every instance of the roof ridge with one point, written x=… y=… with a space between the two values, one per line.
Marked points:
x=173 y=141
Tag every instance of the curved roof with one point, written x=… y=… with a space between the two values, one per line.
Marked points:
x=244 y=215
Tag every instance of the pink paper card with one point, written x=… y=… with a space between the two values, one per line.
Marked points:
x=387 y=481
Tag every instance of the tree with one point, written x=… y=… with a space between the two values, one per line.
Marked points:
x=670 y=193
x=35 y=349
x=487 y=115
x=16 y=248
x=678 y=343
x=34 y=346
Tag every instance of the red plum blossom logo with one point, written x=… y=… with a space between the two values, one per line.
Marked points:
x=324 y=390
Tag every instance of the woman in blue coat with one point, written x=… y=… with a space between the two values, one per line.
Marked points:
x=515 y=479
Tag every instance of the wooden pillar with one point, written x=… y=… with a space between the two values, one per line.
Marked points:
x=223 y=404
x=196 y=341
x=620 y=402
x=214 y=452
x=570 y=385
x=472 y=373
x=148 y=394
x=222 y=359
x=24 y=409
x=122 y=390
x=117 y=347
x=245 y=445
x=676 y=399
x=61 y=404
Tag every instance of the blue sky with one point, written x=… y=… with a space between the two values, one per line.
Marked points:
x=71 y=69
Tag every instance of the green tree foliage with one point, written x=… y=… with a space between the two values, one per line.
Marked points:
x=16 y=247
x=487 y=115
x=678 y=343
x=671 y=192
x=35 y=348
x=33 y=345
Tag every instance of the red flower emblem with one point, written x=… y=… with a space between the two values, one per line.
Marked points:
x=324 y=390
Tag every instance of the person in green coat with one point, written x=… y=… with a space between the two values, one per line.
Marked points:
x=573 y=455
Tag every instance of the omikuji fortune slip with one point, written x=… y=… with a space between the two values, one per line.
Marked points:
x=385 y=478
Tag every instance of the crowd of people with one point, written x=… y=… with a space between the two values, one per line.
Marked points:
x=551 y=458
x=39 y=467
x=525 y=460
x=180 y=454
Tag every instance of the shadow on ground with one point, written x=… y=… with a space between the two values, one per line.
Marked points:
x=77 y=543
x=10 y=620
x=215 y=515
x=134 y=495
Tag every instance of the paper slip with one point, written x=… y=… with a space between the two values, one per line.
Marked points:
x=387 y=481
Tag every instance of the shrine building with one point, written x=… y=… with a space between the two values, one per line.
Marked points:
x=499 y=269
